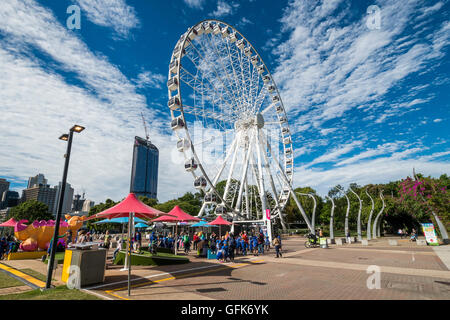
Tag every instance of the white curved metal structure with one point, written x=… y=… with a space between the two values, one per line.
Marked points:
x=346 y=213
x=369 y=235
x=376 y=224
x=359 y=215
x=231 y=125
x=331 y=219
x=313 y=216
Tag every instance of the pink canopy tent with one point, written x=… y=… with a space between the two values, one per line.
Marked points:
x=177 y=215
x=219 y=221
x=131 y=204
x=130 y=207
x=10 y=223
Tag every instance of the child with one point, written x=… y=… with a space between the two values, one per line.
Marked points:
x=219 y=252
x=255 y=245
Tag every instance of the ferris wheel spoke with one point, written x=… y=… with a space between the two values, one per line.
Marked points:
x=215 y=72
x=236 y=97
x=236 y=80
x=202 y=92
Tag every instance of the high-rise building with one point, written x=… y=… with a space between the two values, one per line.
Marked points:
x=9 y=199
x=36 y=181
x=87 y=205
x=42 y=193
x=4 y=186
x=67 y=200
x=144 y=172
x=77 y=204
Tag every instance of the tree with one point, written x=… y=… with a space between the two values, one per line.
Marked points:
x=148 y=201
x=31 y=210
x=97 y=209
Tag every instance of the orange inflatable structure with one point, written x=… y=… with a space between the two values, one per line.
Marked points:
x=39 y=234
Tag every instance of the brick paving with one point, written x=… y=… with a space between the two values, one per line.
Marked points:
x=407 y=272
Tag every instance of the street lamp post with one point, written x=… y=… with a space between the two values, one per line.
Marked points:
x=51 y=261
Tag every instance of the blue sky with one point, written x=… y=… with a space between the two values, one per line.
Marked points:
x=365 y=105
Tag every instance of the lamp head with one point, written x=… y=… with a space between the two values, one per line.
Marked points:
x=64 y=137
x=77 y=128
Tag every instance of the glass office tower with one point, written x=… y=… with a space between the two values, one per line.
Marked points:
x=144 y=172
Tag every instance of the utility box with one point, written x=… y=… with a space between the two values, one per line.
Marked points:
x=89 y=265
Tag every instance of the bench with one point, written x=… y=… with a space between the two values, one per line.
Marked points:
x=393 y=242
x=421 y=242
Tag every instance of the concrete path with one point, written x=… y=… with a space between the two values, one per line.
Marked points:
x=443 y=253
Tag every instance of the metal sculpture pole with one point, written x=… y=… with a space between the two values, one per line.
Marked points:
x=313 y=216
x=359 y=215
x=331 y=219
x=375 y=229
x=370 y=217
x=346 y=214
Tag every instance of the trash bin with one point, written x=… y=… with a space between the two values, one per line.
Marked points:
x=90 y=263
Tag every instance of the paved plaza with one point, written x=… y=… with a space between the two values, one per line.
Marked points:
x=408 y=271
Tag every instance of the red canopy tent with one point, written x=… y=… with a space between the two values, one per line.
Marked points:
x=219 y=221
x=177 y=215
x=10 y=223
x=131 y=204
x=130 y=207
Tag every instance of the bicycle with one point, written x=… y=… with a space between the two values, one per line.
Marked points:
x=312 y=241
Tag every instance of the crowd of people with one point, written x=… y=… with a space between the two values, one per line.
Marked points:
x=8 y=245
x=224 y=247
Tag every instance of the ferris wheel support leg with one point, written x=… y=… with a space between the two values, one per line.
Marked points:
x=286 y=180
x=233 y=163
x=219 y=174
x=202 y=210
x=244 y=175
x=253 y=166
x=272 y=184
x=262 y=194
x=247 y=202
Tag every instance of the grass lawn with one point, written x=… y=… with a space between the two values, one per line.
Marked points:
x=59 y=256
x=35 y=274
x=58 y=293
x=7 y=281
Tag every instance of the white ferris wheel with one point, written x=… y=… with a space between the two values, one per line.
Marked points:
x=231 y=125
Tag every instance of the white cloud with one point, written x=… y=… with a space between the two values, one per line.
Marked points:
x=224 y=9
x=328 y=66
x=335 y=153
x=148 y=79
x=380 y=150
x=114 y=14
x=380 y=170
x=197 y=4
x=437 y=120
x=38 y=105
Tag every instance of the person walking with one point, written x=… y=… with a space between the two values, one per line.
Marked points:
x=260 y=243
x=277 y=245
x=186 y=243
x=195 y=239
x=232 y=247
x=349 y=240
